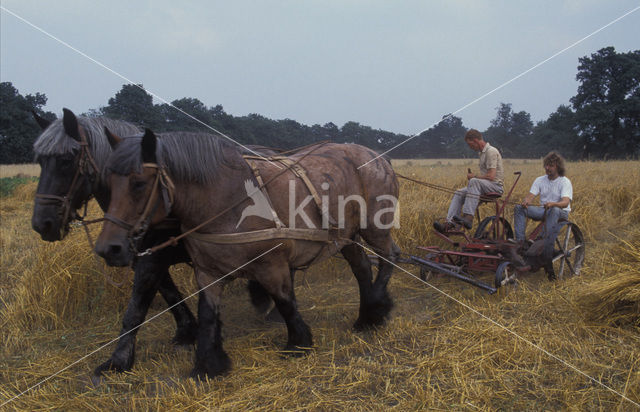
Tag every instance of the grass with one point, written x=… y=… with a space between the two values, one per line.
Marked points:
x=438 y=350
x=9 y=184
x=20 y=170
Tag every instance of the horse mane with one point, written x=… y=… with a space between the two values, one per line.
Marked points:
x=188 y=156
x=55 y=141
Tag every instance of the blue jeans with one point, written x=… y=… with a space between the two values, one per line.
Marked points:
x=551 y=226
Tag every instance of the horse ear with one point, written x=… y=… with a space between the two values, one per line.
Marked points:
x=149 y=146
x=113 y=139
x=42 y=122
x=70 y=124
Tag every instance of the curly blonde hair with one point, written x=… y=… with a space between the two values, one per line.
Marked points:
x=557 y=159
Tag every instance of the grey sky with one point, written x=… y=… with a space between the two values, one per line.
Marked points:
x=393 y=65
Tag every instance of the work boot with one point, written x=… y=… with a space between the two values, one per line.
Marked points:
x=466 y=220
x=551 y=273
x=443 y=227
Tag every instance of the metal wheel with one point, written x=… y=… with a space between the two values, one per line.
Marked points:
x=485 y=230
x=568 y=254
x=505 y=274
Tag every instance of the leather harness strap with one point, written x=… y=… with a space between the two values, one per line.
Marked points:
x=298 y=171
x=314 y=235
x=263 y=189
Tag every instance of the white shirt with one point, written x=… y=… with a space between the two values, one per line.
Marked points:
x=552 y=190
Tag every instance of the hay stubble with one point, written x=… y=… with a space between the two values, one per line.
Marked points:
x=433 y=353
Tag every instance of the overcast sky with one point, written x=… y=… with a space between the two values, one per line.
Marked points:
x=394 y=65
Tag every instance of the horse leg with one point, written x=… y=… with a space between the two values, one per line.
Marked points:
x=211 y=359
x=280 y=287
x=186 y=324
x=146 y=281
x=375 y=303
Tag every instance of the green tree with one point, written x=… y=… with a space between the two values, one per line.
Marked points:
x=510 y=132
x=444 y=140
x=132 y=103
x=18 y=129
x=558 y=133
x=607 y=106
x=175 y=120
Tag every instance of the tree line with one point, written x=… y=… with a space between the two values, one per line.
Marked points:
x=602 y=121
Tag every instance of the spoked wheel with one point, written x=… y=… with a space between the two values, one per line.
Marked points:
x=486 y=230
x=505 y=274
x=568 y=254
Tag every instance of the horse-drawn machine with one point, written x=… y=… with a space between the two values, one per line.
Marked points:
x=492 y=250
x=194 y=179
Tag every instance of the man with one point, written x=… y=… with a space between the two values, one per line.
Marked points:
x=556 y=193
x=489 y=180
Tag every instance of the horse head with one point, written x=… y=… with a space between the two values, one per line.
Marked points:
x=141 y=196
x=67 y=174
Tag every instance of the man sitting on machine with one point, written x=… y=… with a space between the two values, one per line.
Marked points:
x=556 y=193
x=488 y=181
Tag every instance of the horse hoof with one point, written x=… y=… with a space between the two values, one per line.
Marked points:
x=184 y=338
x=211 y=368
x=111 y=365
x=198 y=375
x=360 y=326
x=368 y=324
x=97 y=380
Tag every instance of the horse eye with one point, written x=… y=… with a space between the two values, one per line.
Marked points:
x=64 y=163
x=137 y=185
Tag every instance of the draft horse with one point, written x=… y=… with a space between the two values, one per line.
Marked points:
x=72 y=153
x=204 y=176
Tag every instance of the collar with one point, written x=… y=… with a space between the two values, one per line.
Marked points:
x=485 y=148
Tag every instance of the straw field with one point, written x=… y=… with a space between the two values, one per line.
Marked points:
x=447 y=345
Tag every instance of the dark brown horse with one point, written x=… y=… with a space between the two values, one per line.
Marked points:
x=203 y=177
x=72 y=152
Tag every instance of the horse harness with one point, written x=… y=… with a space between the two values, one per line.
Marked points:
x=161 y=182
x=330 y=235
x=85 y=164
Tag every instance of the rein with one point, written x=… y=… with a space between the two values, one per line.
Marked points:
x=449 y=190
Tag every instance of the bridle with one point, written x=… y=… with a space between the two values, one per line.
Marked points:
x=162 y=183
x=85 y=164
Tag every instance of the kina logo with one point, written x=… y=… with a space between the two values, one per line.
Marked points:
x=260 y=207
